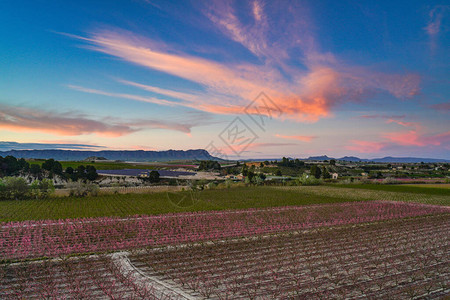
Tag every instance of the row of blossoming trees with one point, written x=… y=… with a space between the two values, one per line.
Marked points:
x=372 y=249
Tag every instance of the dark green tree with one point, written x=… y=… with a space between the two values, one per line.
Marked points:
x=48 y=164
x=11 y=166
x=57 y=168
x=244 y=170
x=315 y=171
x=23 y=165
x=35 y=170
x=153 y=176
x=325 y=173
x=91 y=173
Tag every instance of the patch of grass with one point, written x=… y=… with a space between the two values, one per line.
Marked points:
x=430 y=185
x=157 y=203
x=401 y=188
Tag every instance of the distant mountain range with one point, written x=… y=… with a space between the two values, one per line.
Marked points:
x=195 y=154
x=124 y=155
x=387 y=159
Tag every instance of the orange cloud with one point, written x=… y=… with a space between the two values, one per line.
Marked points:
x=365 y=146
x=302 y=138
x=303 y=94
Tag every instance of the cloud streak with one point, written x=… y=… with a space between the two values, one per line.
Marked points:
x=6 y=146
x=301 y=138
x=434 y=26
x=306 y=93
x=413 y=138
x=365 y=146
x=22 y=119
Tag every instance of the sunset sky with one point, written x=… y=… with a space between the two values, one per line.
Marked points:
x=363 y=78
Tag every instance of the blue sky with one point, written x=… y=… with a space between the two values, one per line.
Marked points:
x=340 y=78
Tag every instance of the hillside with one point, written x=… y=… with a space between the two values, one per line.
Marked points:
x=124 y=155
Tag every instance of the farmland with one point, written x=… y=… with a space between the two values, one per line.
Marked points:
x=217 y=199
x=236 y=243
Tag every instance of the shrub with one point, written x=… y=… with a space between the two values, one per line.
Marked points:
x=41 y=189
x=309 y=180
x=390 y=180
x=82 y=189
x=14 y=188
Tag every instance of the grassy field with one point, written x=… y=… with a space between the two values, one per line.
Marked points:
x=220 y=199
x=431 y=189
x=156 y=203
x=431 y=185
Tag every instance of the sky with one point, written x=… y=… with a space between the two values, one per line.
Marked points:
x=241 y=79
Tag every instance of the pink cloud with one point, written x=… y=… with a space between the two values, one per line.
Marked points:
x=434 y=26
x=405 y=124
x=24 y=119
x=302 y=138
x=250 y=147
x=365 y=146
x=413 y=138
x=257 y=10
x=443 y=107
x=436 y=15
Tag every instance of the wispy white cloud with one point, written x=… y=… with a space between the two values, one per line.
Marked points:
x=122 y=95
x=178 y=95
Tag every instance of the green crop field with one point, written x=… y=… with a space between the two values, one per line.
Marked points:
x=155 y=203
x=434 y=189
x=215 y=199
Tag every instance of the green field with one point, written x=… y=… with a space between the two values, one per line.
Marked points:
x=155 y=203
x=434 y=189
x=217 y=199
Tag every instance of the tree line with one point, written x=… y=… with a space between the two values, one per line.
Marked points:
x=11 y=166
